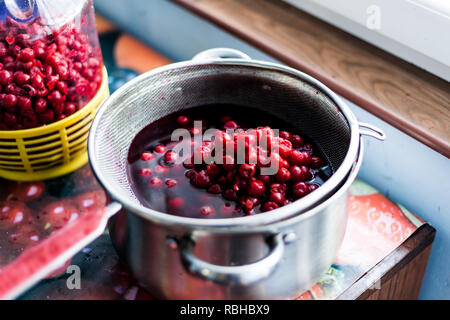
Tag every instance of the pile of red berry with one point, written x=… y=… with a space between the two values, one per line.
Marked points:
x=45 y=74
x=243 y=188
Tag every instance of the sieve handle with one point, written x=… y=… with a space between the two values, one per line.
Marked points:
x=369 y=130
x=221 y=53
x=234 y=275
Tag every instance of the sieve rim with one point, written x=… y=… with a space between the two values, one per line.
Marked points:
x=298 y=207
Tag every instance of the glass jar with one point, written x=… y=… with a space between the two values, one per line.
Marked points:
x=50 y=61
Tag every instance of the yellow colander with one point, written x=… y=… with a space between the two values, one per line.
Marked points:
x=53 y=150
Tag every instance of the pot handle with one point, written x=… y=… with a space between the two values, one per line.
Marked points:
x=234 y=275
x=371 y=131
x=221 y=53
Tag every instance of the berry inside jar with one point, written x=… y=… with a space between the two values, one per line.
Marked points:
x=233 y=162
x=47 y=71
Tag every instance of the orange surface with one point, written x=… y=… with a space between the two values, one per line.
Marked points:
x=104 y=25
x=133 y=54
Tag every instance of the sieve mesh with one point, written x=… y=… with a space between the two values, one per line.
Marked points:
x=276 y=92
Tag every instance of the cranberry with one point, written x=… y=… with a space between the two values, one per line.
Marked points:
x=56 y=215
x=277 y=197
x=299 y=190
x=313 y=187
x=155 y=182
x=160 y=149
x=25 y=235
x=207 y=211
x=269 y=206
x=21 y=78
x=285 y=135
x=69 y=108
x=306 y=172
x=316 y=162
x=296 y=174
x=26 y=55
x=228 y=163
x=212 y=170
x=215 y=189
x=202 y=180
x=5 y=77
x=176 y=203
x=297 y=141
x=183 y=121
x=12 y=214
x=24 y=103
x=146 y=172
x=283 y=175
x=147 y=156
x=300 y=158
x=256 y=188
x=278 y=188
x=40 y=105
x=230 y=194
x=47 y=116
x=28 y=191
x=230 y=125
x=247 y=171
x=170 y=157
x=91 y=200
x=9 y=101
x=170 y=183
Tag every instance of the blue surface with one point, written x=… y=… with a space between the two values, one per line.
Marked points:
x=401 y=167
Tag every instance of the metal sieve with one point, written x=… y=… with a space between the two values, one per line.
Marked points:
x=224 y=76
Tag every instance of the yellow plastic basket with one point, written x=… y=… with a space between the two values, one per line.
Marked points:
x=53 y=150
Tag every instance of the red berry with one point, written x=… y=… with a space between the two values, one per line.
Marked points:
x=40 y=105
x=212 y=170
x=5 y=77
x=313 y=187
x=256 y=188
x=183 y=121
x=247 y=171
x=176 y=203
x=147 y=156
x=230 y=125
x=12 y=214
x=296 y=174
x=228 y=163
x=26 y=55
x=207 y=211
x=28 y=191
x=215 y=189
x=21 y=78
x=283 y=175
x=155 y=183
x=299 y=190
x=9 y=101
x=297 y=141
x=160 y=149
x=170 y=157
x=306 y=172
x=146 y=172
x=171 y=183
x=202 y=180
x=56 y=215
x=278 y=198
x=316 y=162
x=91 y=200
x=269 y=206
x=300 y=158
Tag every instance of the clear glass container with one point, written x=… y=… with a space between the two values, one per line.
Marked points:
x=50 y=61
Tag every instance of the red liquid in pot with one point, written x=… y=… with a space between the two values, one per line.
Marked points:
x=223 y=189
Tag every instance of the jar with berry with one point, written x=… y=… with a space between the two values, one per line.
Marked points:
x=50 y=61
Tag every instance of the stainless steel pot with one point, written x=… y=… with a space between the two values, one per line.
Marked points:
x=275 y=255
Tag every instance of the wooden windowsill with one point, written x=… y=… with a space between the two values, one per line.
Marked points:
x=405 y=96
